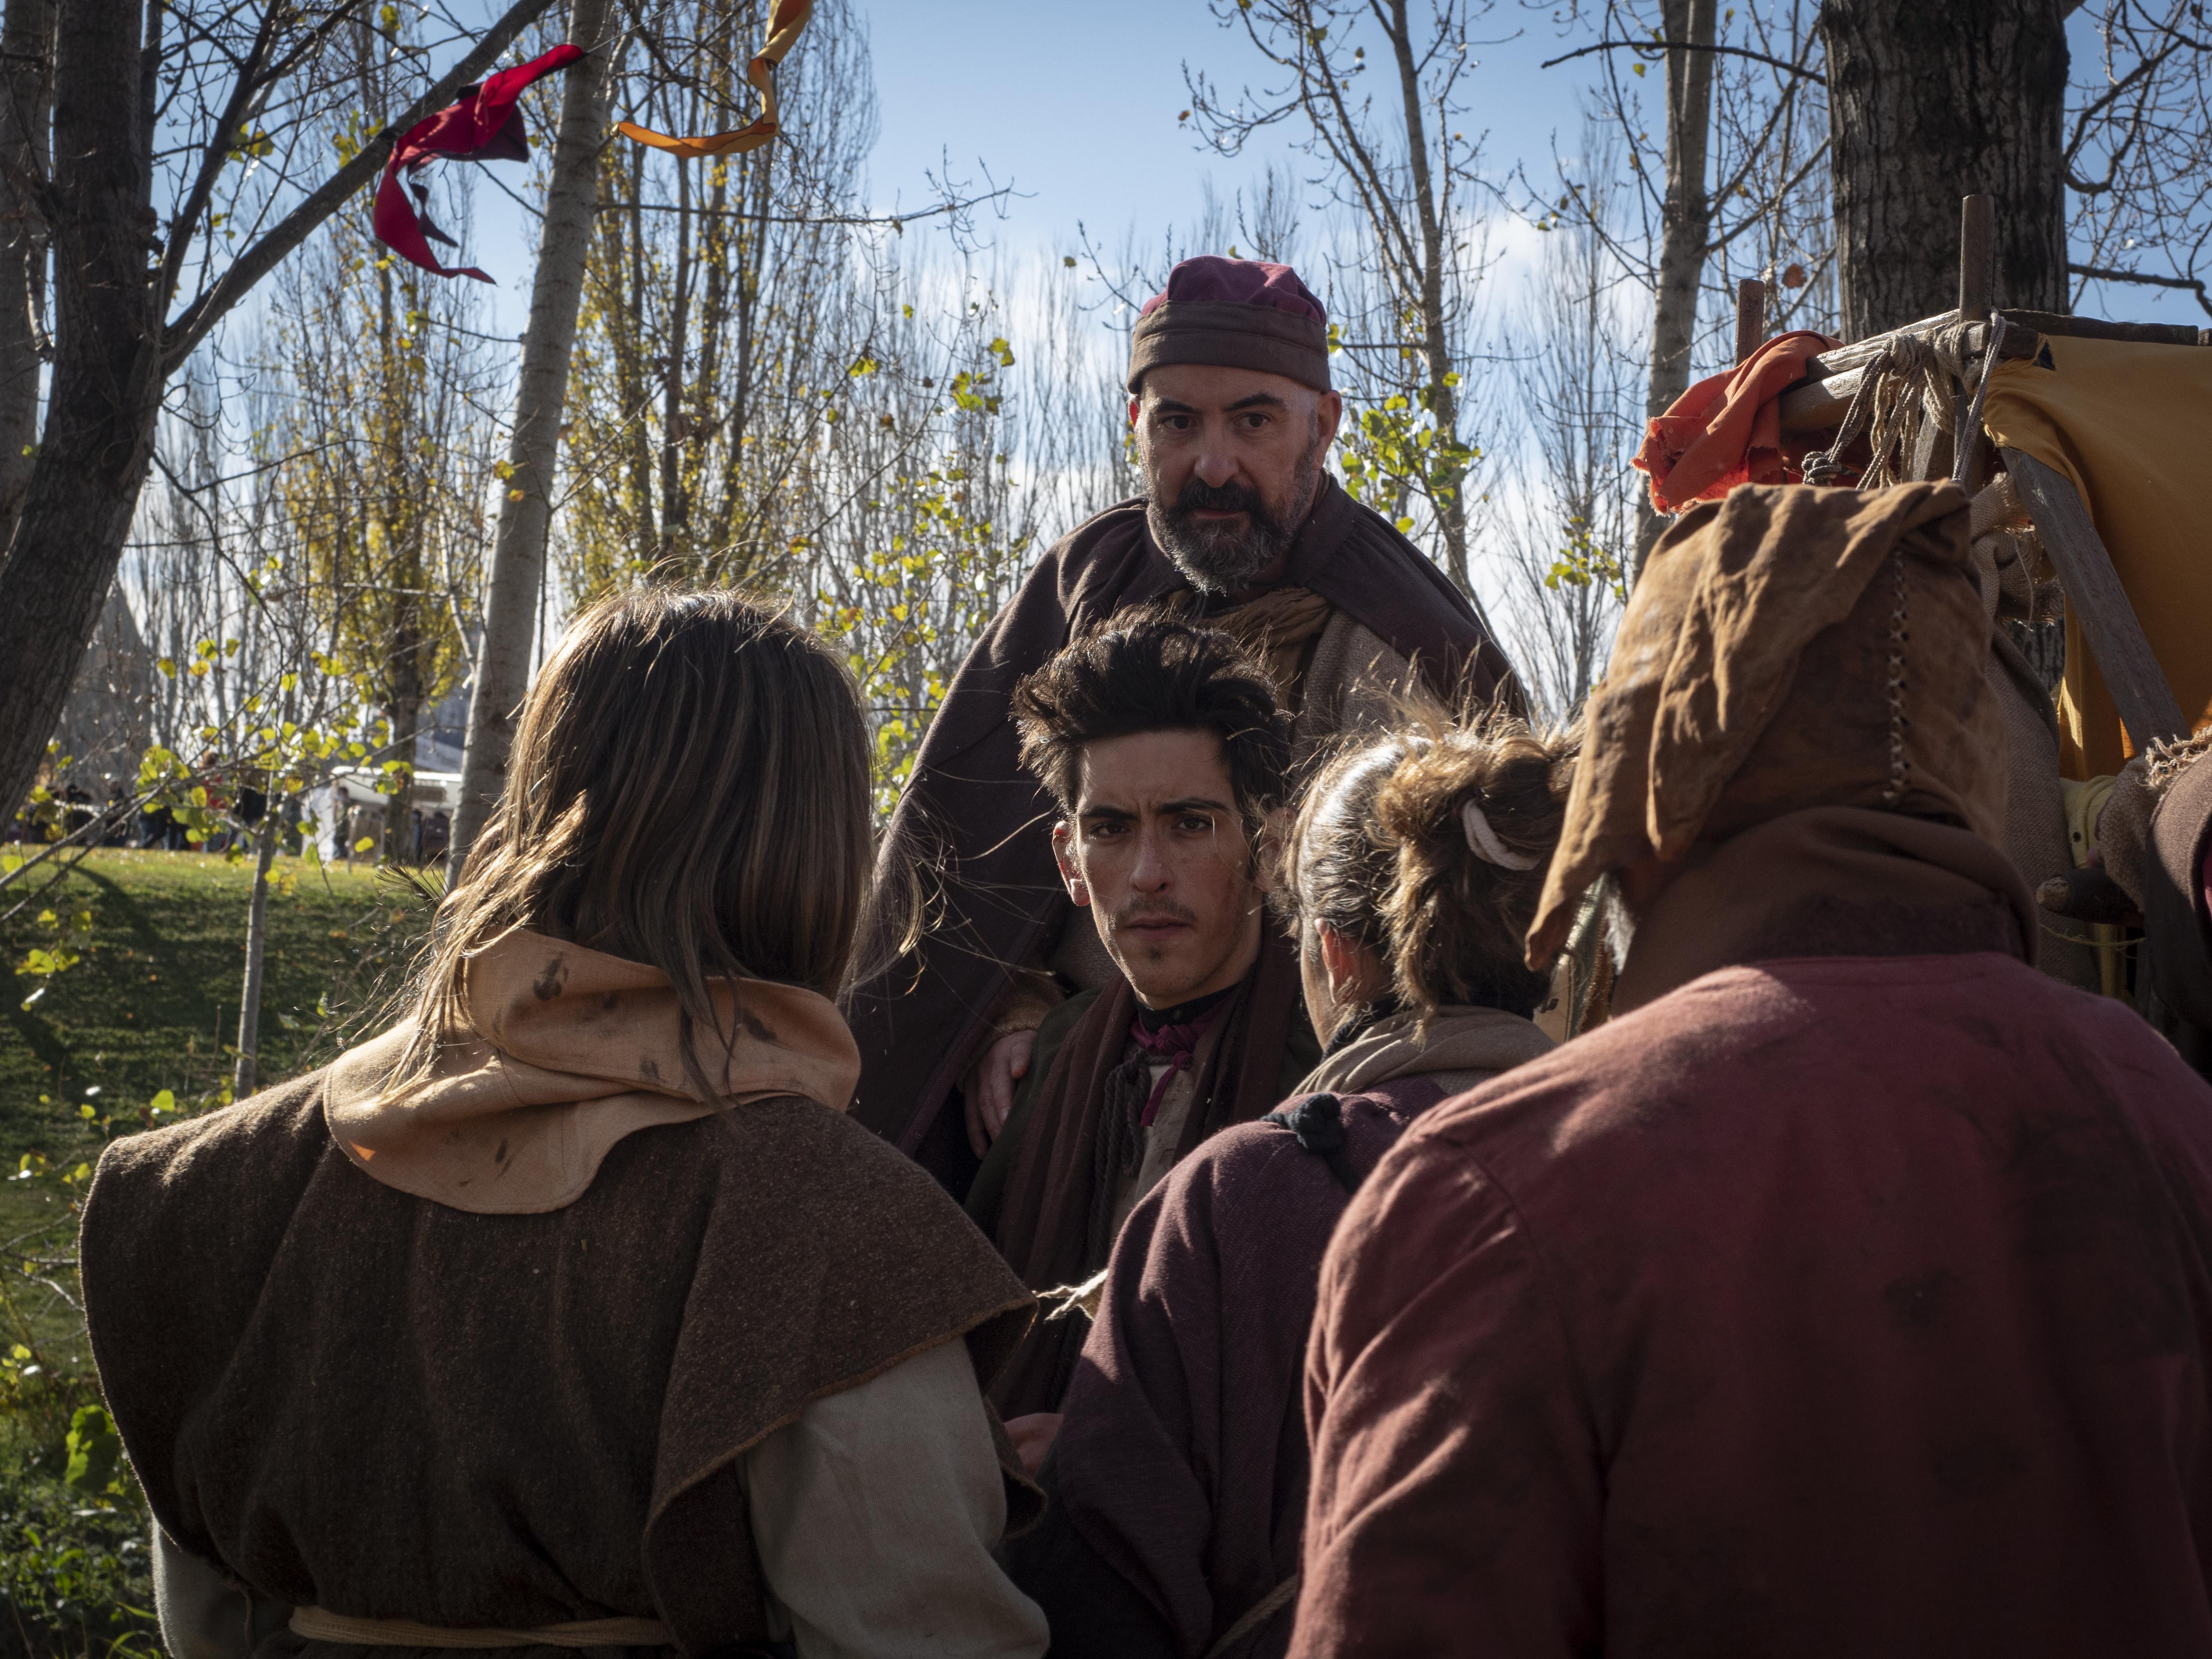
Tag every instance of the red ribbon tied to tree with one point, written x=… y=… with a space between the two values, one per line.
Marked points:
x=784 y=24
x=485 y=125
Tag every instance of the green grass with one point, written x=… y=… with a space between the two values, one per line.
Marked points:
x=154 y=1003
x=150 y=1007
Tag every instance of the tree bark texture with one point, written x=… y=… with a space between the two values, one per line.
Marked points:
x=517 y=570
x=1929 y=101
x=26 y=97
x=107 y=386
x=1435 y=348
x=1685 y=222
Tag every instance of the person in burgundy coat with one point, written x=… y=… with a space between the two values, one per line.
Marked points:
x=1849 y=1292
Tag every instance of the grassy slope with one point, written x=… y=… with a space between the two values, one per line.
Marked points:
x=154 y=1004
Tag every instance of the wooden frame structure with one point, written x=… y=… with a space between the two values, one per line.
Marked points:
x=1817 y=402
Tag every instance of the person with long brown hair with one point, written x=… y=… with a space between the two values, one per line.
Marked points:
x=572 y=1310
x=1180 y=1465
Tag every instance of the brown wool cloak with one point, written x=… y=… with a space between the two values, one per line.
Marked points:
x=357 y=1398
x=1044 y=1224
x=972 y=820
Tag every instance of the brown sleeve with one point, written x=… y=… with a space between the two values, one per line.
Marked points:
x=1457 y=1499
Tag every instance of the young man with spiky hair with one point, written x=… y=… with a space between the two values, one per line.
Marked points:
x=1163 y=748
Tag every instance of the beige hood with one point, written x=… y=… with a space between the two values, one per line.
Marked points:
x=573 y=1049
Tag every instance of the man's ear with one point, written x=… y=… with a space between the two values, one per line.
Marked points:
x=1338 y=956
x=1063 y=844
x=1136 y=403
x=1330 y=413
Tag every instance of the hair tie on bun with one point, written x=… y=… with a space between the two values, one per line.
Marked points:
x=1482 y=841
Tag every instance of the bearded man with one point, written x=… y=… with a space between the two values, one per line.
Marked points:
x=1850 y=1290
x=1233 y=411
x=1163 y=748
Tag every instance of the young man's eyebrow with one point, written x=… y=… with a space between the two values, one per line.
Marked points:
x=1194 y=803
x=1117 y=814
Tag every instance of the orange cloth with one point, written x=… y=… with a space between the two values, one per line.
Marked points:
x=2130 y=425
x=1727 y=429
x=784 y=24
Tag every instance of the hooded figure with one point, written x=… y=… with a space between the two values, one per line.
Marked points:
x=1230 y=396
x=1849 y=1292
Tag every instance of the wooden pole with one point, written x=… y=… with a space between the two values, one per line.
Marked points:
x=1977 y=232
x=1750 y=319
x=2147 y=704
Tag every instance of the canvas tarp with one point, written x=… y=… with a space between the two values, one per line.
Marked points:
x=2130 y=425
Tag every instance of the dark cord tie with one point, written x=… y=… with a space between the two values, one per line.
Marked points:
x=1318 y=1122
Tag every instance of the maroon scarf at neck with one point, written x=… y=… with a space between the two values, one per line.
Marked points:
x=1178 y=1045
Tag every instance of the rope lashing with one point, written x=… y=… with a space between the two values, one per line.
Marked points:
x=1906 y=386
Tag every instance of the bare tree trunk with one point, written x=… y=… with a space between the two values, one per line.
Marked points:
x=1685 y=222
x=526 y=514
x=27 y=89
x=106 y=385
x=1436 y=349
x=244 y=1078
x=1928 y=102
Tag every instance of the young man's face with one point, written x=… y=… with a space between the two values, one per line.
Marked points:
x=1157 y=850
x=1232 y=459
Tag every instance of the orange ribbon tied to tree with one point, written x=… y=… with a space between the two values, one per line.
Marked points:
x=784 y=23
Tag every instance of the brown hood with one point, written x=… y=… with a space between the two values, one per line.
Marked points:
x=573 y=1050
x=1829 y=881
x=1787 y=649
x=1456 y=1039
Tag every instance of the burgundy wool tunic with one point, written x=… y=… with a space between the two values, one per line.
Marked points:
x=1826 y=1306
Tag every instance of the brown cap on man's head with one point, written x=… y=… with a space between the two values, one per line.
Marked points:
x=1234 y=313
x=1787 y=647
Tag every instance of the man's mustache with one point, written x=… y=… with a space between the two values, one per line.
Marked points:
x=1200 y=496
x=1158 y=910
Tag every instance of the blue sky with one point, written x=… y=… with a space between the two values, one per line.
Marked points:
x=1075 y=106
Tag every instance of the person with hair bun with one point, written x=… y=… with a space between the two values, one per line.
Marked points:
x=1179 y=1470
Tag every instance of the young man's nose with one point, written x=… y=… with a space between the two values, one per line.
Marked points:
x=1150 y=872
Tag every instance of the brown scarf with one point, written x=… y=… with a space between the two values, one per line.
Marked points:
x=1788 y=648
x=573 y=1050
x=1455 y=1039
x=1058 y=1190
x=1278 y=627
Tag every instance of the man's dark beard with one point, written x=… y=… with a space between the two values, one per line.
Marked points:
x=1222 y=558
